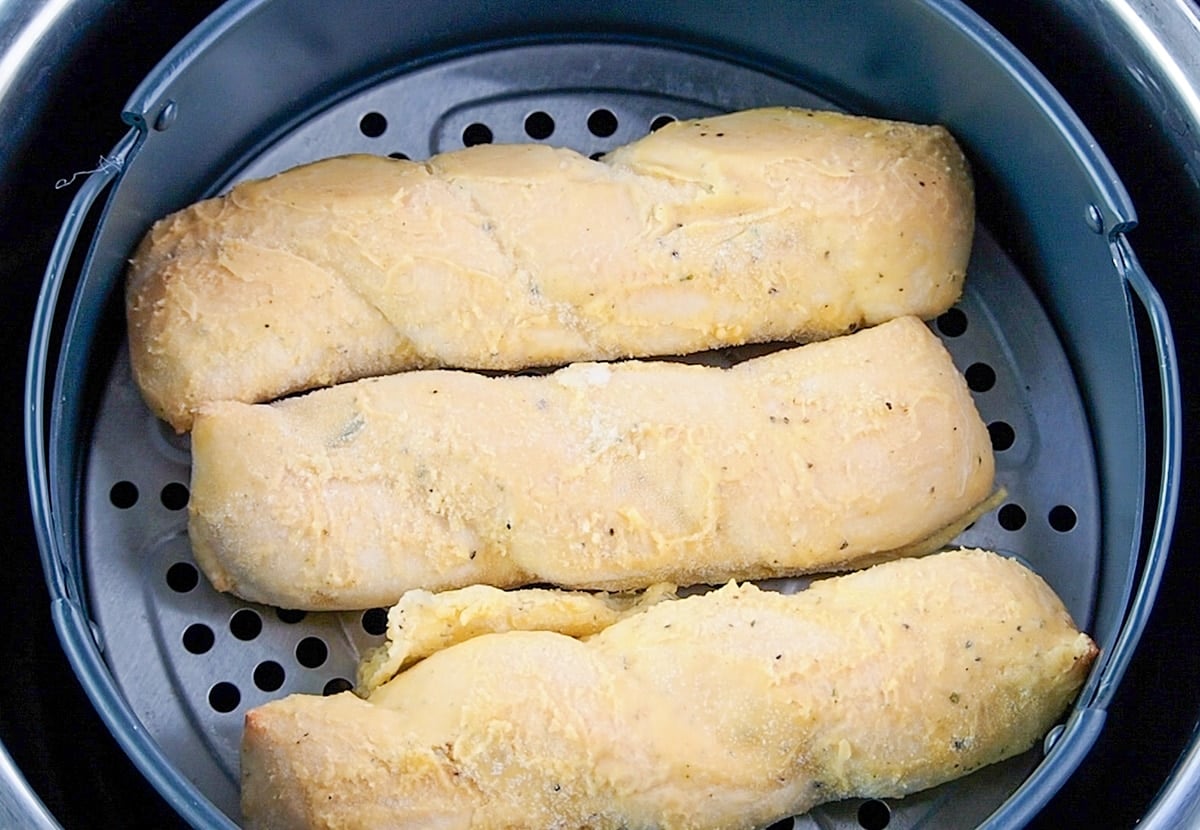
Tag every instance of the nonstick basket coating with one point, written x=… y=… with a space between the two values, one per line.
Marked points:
x=182 y=664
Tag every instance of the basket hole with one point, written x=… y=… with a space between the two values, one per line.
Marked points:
x=980 y=377
x=311 y=652
x=476 y=133
x=602 y=123
x=198 y=638
x=337 y=686
x=246 y=624
x=174 y=496
x=373 y=124
x=874 y=815
x=1011 y=517
x=539 y=125
x=123 y=495
x=1002 y=435
x=952 y=323
x=1062 y=518
x=657 y=124
x=224 y=697
x=182 y=577
x=269 y=676
x=399 y=156
x=290 y=616
x=374 y=621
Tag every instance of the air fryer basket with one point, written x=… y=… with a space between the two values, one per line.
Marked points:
x=1045 y=332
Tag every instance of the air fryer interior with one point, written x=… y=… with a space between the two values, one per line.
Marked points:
x=1043 y=332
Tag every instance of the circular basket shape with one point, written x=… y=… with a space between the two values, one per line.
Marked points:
x=1043 y=332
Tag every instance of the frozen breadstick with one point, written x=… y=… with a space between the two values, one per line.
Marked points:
x=602 y=476
x=772 y=224
x=728 y=710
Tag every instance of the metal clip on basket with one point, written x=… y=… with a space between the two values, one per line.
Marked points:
x=171 y=666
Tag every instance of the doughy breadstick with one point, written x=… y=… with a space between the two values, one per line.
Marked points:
x=724 y=711
x=423 y=623
x=773 y=224
x=608 y=476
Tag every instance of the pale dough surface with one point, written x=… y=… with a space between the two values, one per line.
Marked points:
x=771 y=224
x=424 y=622
x=603 y=476
x=726 y=711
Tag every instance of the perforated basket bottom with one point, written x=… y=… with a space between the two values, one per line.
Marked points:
x=191 y=661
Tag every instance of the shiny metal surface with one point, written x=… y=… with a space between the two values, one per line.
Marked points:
x=35 y=37
x=1178 y=804
x=19 y=805
x=1157 y=43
